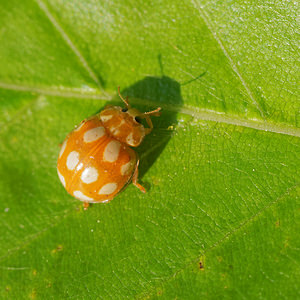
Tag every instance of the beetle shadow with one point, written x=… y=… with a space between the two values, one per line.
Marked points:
x=146 y=95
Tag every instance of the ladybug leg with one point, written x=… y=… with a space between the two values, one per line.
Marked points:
x=135 y=179
x=149 y=122
x=146 y=115
x=85 y=205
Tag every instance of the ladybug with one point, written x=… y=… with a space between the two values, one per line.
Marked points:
x=96 y=160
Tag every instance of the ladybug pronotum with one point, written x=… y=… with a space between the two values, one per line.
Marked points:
x=95 y=161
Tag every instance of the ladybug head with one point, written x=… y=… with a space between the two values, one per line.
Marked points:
x=125 y=124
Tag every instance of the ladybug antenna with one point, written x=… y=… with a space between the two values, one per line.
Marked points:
x=124 y=100
x=155 y=112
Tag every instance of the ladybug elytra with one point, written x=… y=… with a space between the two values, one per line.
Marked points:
x=95 y=161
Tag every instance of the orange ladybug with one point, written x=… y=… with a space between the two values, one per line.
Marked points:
x=95 y=161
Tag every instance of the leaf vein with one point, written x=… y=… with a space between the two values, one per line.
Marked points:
x=69 y=42
x=224 y=238
x=29 y=239
x=234 y=67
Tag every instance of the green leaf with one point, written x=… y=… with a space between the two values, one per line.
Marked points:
x=221 y=215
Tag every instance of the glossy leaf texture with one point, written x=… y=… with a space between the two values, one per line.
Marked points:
x=221 y=217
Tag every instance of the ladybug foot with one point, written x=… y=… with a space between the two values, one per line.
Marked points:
x=86 y=205
x=140 y=187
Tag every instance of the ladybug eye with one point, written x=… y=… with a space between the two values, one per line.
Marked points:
x=124 y=109
x=138 y=119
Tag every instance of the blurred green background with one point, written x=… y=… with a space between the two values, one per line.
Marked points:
x=220 y=219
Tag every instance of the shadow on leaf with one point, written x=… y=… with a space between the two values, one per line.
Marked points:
x=148 y=94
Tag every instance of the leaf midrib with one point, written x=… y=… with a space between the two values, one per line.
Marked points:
x=195 y=112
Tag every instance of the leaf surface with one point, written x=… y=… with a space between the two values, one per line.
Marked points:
x=221 y=215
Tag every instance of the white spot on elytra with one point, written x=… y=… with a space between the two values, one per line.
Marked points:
x=111 y=152
x=105 y=201
x=105 y=118
x=79 y=127
x=89 y=175
x=62 y=178
x=62 y=149
x=129 y=139
x=79 y=195
x=108 y=189
x=72 y=160
x=126 y=168
x=94 y=134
